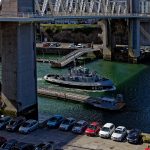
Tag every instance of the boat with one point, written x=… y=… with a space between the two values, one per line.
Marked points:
x=109 y=103
x=81 y=78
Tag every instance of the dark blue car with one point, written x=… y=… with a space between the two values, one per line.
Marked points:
x=55 y=121
x=134 y=136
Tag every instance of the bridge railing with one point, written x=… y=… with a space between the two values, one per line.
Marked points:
x=9 y=14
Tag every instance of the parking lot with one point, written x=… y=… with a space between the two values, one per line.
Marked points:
x=70 y=141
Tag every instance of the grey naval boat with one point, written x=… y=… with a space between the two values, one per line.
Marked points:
x=81 y=78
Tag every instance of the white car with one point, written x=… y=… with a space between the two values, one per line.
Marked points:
x=107 y=130
x=119 y=134
x=67 y=124
x=80 y=45
x=29 y=126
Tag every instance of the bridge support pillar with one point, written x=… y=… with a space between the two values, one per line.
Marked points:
x=134 y=40
x=105 y=36
x=19 y=69
x=19 y=80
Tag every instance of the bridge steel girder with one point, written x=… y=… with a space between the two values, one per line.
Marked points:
x=19 y=80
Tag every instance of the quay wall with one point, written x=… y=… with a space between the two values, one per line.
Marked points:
x=57 y=51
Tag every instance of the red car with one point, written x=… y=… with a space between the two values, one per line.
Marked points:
x=2 y=140
x=93 y=129
x=148 y=148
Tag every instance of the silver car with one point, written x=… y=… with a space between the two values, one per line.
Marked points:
x=119 y=134
x=79 y=127
x=67 y=124
x=29 y=126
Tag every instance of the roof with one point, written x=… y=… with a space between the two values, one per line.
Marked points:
x=81 y=121
x=108 y=125
x=120 y=128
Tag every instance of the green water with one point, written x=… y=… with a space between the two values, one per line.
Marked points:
x=132 y=80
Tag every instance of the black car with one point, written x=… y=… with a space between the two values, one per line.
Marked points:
x=15 y=123
x=134 y=136
x=4 y=121
x=44 y=146
x=9 y=144
x=23 y=146
x=2 y=140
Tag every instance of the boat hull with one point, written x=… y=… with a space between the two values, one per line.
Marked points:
x=81 y=85
x=102 y=104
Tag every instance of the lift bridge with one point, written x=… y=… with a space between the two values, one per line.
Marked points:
x=18 y=18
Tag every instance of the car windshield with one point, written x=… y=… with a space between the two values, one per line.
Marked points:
x=53 y=119
x=78 y=125
x=26 y=124
x=92 y=127
x=12 y=122
x=118 y=131
x=134 y=132
x=66 y=121
x=105 y=129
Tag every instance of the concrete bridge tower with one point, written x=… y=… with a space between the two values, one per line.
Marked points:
x=19 y=85
x=134 y=32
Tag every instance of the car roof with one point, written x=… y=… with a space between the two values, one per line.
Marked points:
x=22 y=144
x=120 y=128
x=81 y=121
x=94 y=123
x=4 y=117
x=70 y=118
x=57 y=116
x=31 y=120
x=135 y=130
x=108 y=125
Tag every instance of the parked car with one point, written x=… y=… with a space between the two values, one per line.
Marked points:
x=4 y=120
x=44 y=146
x=72 y=45
x=147 y=148
x=55 y=121
x=28 y=126
x=9 y=144
x=119 y=134
x=93 y=129
x=107 y=130
x=54 y=44
x=134 y=136
x=80 y=45
x=67 y=124
x=2 y=140
x=15 y=123
x=79 y=127
x=23 y=146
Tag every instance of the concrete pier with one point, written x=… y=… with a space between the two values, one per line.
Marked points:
x=18 y=61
